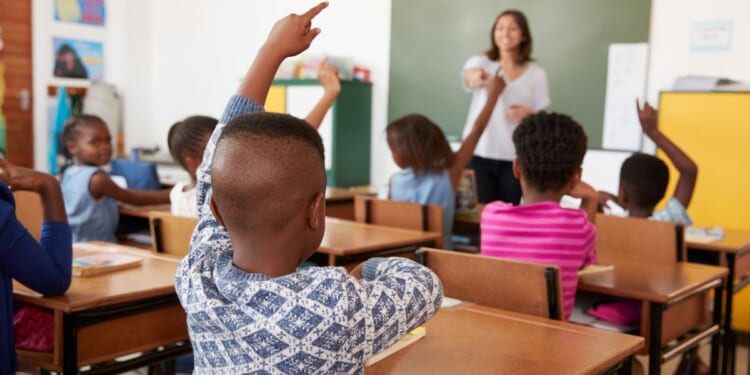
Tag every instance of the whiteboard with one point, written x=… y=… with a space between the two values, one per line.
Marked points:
x=626 y=81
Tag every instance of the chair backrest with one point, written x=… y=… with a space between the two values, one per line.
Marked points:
x=138 y=174
x=528 y=288
x=639 y=240
x=29 y=211
x=399 y=214
x=171 y=233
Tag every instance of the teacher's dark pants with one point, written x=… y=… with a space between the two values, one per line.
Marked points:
x=495 y=180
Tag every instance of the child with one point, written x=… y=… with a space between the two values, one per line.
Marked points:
x=44 y=266
x=644 y=178
x=550 y=149
x=90 y=194
x=187 y=140
x=431 y=171
x=261 y=196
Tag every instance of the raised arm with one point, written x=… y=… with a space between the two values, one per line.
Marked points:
x=400 y=294
x=328 y=76
x=44 y=267
x=101 y=184
x=495 y=88
x=685 y=166
x=289 y=36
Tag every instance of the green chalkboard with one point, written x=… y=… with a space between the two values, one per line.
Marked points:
x=431 y=40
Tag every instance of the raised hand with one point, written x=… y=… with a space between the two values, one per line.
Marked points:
x=328 y=76
x=648 y=117
x=293 y=34
x=495 y=86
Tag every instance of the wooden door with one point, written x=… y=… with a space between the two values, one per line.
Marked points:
x=17 y=104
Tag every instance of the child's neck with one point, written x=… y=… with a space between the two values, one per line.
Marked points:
x=534 y=196
x=272 y=253
x=640 y=212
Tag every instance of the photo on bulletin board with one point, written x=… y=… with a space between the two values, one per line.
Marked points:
x=466 y=194
x=78 y=59
x=89 y=12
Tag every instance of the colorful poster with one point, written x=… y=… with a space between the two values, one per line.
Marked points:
x=78 y=59
x=90 y=12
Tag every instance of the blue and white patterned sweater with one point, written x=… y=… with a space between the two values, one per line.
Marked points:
x=317 y=320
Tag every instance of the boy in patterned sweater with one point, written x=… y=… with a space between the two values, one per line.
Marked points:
x=248 y=309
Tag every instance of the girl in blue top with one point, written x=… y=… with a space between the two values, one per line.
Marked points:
x=431 y=171
x=44 y=267
x=90 y=194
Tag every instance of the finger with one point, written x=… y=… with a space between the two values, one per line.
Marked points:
x=310 y=14
x=637 y=104
x=313 y=33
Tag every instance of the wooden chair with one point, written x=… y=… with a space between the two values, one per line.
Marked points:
x=30 y=212
x=639 y=240
x=528 y=288
x=171 y=233
x=406 y=215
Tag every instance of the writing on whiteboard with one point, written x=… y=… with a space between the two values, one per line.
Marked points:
x=626 y=81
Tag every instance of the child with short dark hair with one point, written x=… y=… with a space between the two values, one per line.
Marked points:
x=261 y=197
x=44 y=266
x=431 y=170
x=644 y=178
x=550 y=149
x=90 y=194
x=187 y=140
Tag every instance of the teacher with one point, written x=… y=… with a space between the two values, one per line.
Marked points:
x=526 y=93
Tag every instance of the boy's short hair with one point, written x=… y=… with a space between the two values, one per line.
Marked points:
x=550 y=148
x=266 y=167
x=644 y=179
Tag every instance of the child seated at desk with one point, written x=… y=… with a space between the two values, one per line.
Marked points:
x=261 y=197
x=187 y=140
x=644 y=178
x=44 y=266
x=89 y=193
x=431 y=170
x=550 y=149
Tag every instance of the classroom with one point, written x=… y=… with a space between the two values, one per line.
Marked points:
x=497 y=300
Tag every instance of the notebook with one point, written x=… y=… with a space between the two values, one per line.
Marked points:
x=95 y=263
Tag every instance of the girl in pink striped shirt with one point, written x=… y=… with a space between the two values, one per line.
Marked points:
x=550 y=149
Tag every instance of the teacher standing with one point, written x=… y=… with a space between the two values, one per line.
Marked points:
x=526 y=93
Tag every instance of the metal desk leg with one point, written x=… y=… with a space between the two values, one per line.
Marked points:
x=729 y=348
x=70 y=344
x=627 y=366
x=654 y=339
x=716 y=339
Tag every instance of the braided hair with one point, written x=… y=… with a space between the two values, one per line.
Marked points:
x=550 y=149
x=71 y=131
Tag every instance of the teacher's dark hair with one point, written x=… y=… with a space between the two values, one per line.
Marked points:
x=524 y=49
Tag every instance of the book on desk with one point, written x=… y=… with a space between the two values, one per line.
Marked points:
x=91 y=262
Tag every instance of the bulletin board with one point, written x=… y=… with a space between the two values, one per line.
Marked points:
x=713 y=128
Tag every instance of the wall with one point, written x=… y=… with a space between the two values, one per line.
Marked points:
x=201 y=52
x=127 y=44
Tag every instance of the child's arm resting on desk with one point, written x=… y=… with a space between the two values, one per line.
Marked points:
x=687 y=168
x=101 y=184
x=399 y=295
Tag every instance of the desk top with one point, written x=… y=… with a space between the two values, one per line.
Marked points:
x=154 y=277
x=141 y=211
x=662 y=283
x=344 y=237
x=471 y=219
x=337 y=195
x=472 y=339
x=734 y=241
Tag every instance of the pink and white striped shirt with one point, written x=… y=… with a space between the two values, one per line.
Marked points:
x=541 y=233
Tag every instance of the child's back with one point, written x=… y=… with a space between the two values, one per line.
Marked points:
x=90 y=219
x=261 y=197
x=550 y=150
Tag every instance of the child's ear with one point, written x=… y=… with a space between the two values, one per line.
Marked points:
x=517 y=169
x=575 y=178
x=71 y=146
x=623 y=197
x=192 y=163
x=317 y=212
x=215 y=211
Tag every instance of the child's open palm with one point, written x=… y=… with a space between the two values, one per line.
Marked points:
x=647 y=116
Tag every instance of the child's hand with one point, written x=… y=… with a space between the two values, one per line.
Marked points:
x=517 y=112
x=647 y=116
x=475 y=78
x=604 y=198
x=495 y=86
x=328 y=76
x=293 y=34
x=356 y=272
x=18 y=178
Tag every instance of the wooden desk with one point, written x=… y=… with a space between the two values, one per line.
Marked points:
x=665 y=288
x=141 y=211
x=347 y=242
x=733 y=252
x=340 y=201
x=472 y=339
x=104 y=317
